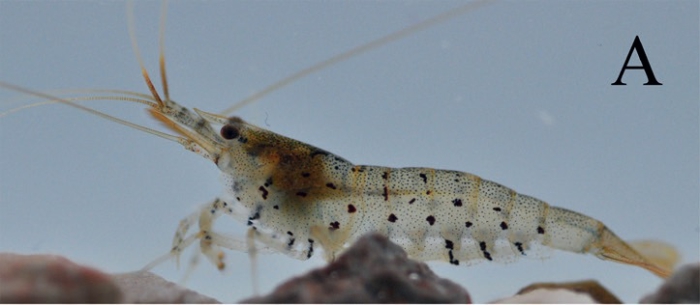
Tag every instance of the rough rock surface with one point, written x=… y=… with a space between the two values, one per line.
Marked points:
x=592 y=288
x=146 y=287
x=52 y=279
x=373 y=270
x=682 y=287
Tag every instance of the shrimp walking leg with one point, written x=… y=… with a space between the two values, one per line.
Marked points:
x=252 y=256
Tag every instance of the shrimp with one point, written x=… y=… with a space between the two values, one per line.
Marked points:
x=297 y=199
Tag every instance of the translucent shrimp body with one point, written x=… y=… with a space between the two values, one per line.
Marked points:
x=296 y=198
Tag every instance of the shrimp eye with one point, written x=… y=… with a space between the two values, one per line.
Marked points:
x=229 y=132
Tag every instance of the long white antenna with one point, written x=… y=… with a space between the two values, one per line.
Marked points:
x=94 y=112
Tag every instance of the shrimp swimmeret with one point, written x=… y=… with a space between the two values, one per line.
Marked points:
x=297 y=199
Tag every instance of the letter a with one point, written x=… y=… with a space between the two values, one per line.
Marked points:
x=637 y=45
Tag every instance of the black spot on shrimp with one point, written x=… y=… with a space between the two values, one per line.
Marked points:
x=264 y=192
x=311 y=248
x=254 y=217
x=334 y=226
x=452 y=259
x=487 y=255
x=392 y=218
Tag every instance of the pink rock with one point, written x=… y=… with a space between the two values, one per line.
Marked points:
x=52 y=279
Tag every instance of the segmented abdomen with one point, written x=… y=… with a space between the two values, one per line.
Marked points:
x=322 y=200
x=458 y=217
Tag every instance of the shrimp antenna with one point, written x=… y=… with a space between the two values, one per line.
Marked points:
x=123 y=95
x=356 y=51
x=161 y=51
x=52 y=98
x=134 y=44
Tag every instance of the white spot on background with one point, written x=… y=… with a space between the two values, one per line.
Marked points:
x=546 y=118
x=445 y=44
